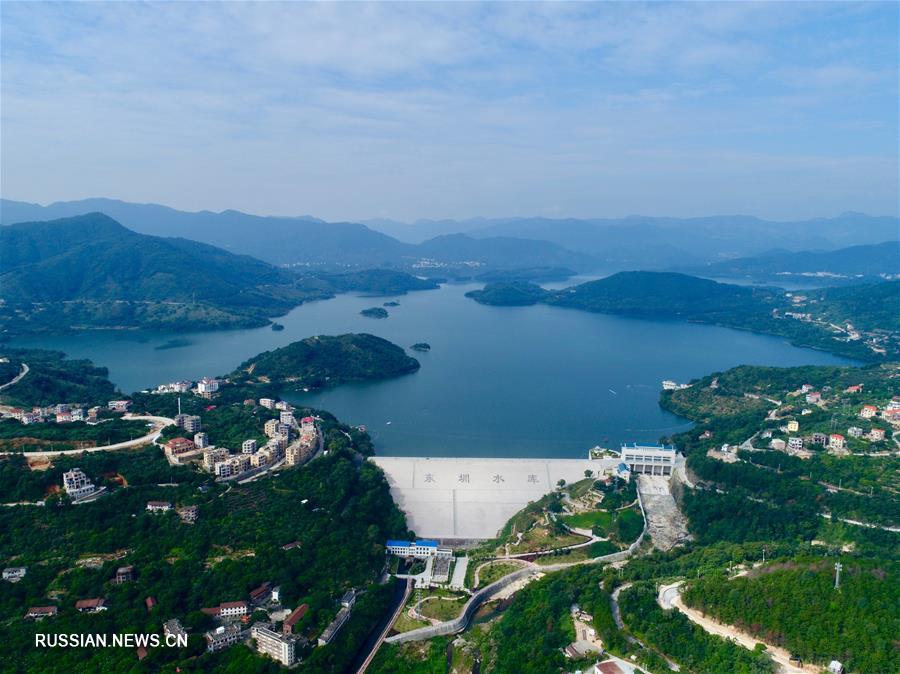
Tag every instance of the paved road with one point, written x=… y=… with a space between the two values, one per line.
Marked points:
x=669 y=597
x=387 y=629
x=158 y=424
x=15 y=380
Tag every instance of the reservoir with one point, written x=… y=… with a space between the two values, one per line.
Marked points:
x=498 y=382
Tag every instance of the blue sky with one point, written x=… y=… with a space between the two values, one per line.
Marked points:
x=352 y=111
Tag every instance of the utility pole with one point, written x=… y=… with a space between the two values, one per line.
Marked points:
x=837 y=575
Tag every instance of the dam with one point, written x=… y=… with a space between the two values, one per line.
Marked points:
x=472 y=498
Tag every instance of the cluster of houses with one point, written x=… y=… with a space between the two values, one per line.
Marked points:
x=279 y=642
x=290 y=441
x=63 y=413
x=206 y=387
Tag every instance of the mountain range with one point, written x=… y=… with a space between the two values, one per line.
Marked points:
x=465 y=248
x=305 y=242
x=90 y=271
x=851 y=264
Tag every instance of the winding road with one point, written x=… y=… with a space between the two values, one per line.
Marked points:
x=15 y=380
x=669 y=597
x=158 y=424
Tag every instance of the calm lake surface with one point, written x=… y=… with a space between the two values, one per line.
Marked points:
x=499 y=381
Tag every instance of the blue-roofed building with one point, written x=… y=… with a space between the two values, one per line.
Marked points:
x=623 y=471
x=420 y=549
x=648 y=459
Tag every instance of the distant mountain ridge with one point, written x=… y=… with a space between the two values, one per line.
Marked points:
x=307 y=242
x=89 y=271
x=647 y=241
x=855 y=263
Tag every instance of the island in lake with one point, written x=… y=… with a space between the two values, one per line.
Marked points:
x=277 y=327
x=421 y=346
x=327 y=361
x=374 y=312
x=391 y=304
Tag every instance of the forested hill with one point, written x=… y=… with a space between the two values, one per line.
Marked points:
x=327 y=360
x=855 y=263
x=816 y=318
x=91 y=272
x=795 y=605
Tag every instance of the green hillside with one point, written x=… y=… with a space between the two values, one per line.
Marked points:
x=794 y=605
x=327 y=360
x=816 y=318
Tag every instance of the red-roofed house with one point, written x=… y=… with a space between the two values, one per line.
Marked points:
x=41 y=612
x=261 y=594
x=868 y=411
x=150 y=602
x=836 y=441
x=179 y=445
x=91 y=605
x=295 y=617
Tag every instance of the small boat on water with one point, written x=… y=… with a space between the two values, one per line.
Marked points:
x=613 y=392
x=388 y=423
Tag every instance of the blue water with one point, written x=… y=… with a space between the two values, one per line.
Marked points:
x=499 y=381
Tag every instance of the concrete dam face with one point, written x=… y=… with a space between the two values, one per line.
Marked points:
x=472 y=498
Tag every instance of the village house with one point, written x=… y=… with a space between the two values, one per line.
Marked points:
x=14 y=574
x=189 y=514
x=222 y=637
x=91 y=605
x=41 y=612
x=868 y=411
x=813 y=397
x=179 y=446
x=876 y=434
x=124 y=574
x=158 y=506
x=119 y=405
x=836 y=441
x=793 y=426
x=295 y=616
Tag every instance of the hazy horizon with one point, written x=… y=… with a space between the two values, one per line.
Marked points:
x=426 y=219
x=412 y=111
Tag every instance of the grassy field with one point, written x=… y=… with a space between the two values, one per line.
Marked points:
x=442 y=608
x=495 y=571
x=590 y=519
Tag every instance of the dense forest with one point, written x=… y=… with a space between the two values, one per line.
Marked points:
x=236 y=544
x=794 y=605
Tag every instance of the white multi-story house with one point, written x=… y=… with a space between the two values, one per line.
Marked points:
x=795 y=443
x=207 y=386
x=77 y=484
x=280 y=647
x=268 y=403
x=248 y=446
